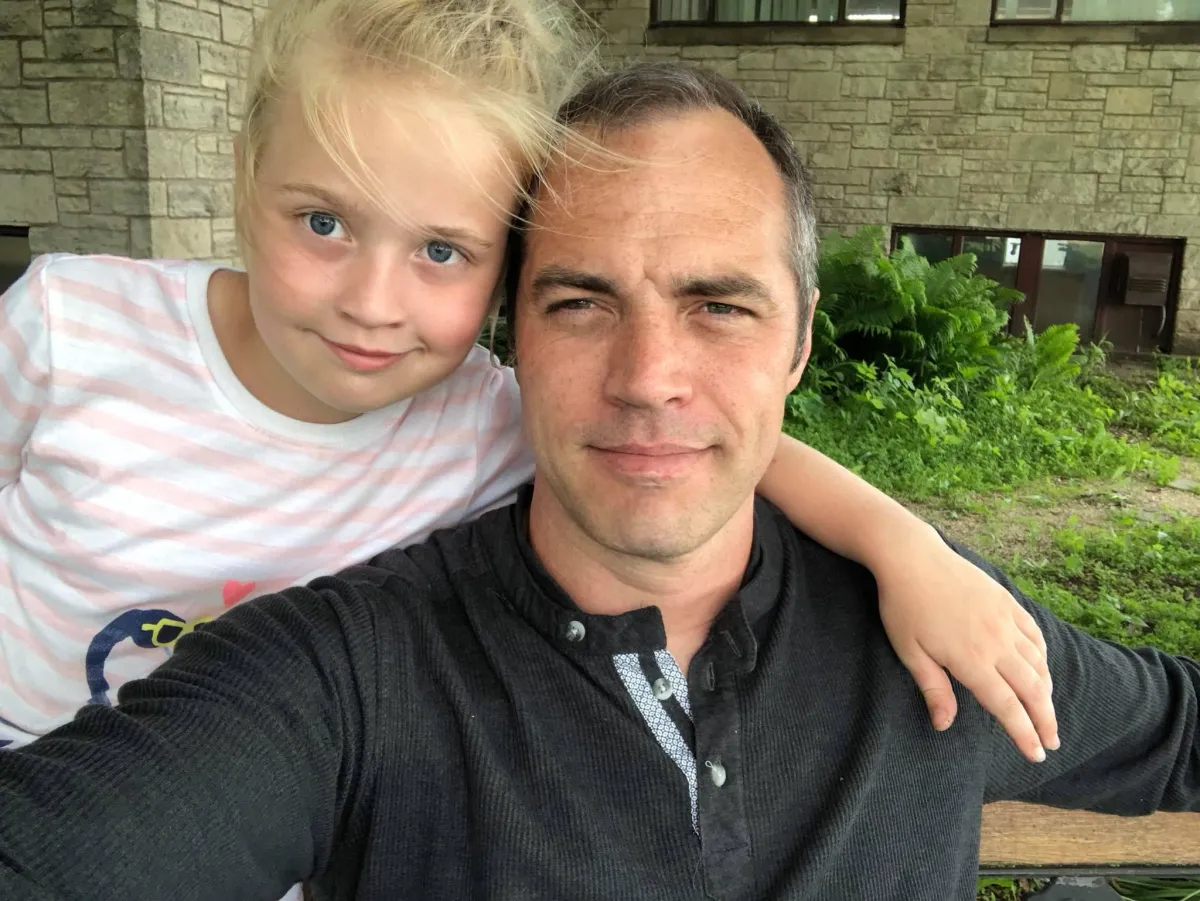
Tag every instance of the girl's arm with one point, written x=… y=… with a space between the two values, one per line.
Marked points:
x=24 y=364
x=939 y=609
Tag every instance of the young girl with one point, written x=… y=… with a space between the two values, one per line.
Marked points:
x=177 y=437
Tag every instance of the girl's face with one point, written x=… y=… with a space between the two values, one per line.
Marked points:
x=363 y=297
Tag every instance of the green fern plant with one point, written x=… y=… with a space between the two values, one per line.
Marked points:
x=934 y=321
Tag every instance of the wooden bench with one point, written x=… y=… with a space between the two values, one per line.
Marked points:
x=1027 y=840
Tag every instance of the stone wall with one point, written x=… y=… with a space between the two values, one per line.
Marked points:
x=966 y=125
x=115 y=120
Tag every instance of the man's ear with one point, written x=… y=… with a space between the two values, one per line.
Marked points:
x=806 y=349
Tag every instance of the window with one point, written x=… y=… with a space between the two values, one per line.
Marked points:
x=1117 y=289
x=1095 y=11
x=791 y=12
x=14 y=254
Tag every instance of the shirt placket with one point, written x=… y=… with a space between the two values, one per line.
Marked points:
x=724 y=831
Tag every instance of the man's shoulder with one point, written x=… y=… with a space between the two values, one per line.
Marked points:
x=442 y=566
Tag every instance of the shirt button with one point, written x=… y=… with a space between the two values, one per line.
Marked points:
x=717 y=772
x=662 y=689
x=575 y=630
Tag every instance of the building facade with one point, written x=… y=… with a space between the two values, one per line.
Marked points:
x=1059 y=145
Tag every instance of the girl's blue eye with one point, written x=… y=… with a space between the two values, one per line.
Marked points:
x=439 y=251
x=323 y=224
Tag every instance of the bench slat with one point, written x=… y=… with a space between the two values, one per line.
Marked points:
x=1029 y=835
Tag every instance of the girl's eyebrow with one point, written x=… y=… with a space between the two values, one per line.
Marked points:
x=448 y=233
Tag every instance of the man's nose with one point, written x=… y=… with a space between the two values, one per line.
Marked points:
x=648 y=362
x=373 y=296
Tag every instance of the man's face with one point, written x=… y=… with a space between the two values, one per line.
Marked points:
x=656 y=331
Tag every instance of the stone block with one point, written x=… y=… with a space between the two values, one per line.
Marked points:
x=1048 y=217
x=937 y=41
x=1050 y=187
x=751 y=59
x=1185 y=93
x=23 y=106
x=1181 y=204
x=69 y=163
x=217 y=166
x=170 y=57
x=10 y=136
x=182 y=20
x=954 y=68
x=909 y=70
x=1067 y=86
x=199 y=199
x=116 y=103
x=829 y=156
x=225 y=60
x=804 y=58
x=22 y=160
x=1099 y=161
x=936 y=186
x=1155 y=78
x=978 y=100
x=1129 y=102
x=128 y=198
x=1140 y=140
x=10 y=64
x=868 y=53
x=921 y=90
x=109 y=138
x=20 y=18
x=952 y=125
x=1041 y=147
x=879 y=111
x=58 y=137
x=237 y=26
x=181 y=239
x=1020 y=100
x=1007 y=63
x=79 y=44
x=27 y=199
x=1188 y=60
x=81 y=240
x=40 y=71
x=73 y=204
x=195 y=113
x=920 y=210
x=866 y=87
x=1141 y=185
x=940 y=165
x=104 y=12
x=1169 y=167
x=815 y=86
x=1098 y=58
x=33 y=49
x=871 y=136
x=874 y=159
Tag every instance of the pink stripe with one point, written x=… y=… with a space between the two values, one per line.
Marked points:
x=49 y=706
x=151 y=320
x=221 y=423
x=32 y=646
x=100 y=337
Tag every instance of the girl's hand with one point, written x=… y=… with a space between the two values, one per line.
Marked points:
x=943 y=613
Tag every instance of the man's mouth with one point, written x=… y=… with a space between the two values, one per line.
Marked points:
x=650 y=461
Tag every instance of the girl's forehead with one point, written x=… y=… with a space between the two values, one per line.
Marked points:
x=388 y=145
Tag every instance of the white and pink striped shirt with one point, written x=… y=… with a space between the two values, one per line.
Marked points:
x=143 y=489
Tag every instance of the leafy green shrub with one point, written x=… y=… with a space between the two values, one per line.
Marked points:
x=1165 y=411
x=934 y=321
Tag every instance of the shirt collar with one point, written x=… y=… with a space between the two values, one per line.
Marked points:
x=530 y=589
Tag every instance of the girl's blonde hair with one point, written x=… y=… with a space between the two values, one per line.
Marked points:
x=511 y=62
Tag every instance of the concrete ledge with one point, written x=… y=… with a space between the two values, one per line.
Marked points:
x=734 y=33
x=1137 y=35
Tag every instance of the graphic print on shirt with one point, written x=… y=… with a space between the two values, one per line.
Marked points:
x=145 y=628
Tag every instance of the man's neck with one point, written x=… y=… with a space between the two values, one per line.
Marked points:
x=689 y=591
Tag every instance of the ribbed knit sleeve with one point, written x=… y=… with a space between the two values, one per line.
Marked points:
x=226 y=774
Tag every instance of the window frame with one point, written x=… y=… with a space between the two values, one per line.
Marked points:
x=1057 y=20
x=711 y=21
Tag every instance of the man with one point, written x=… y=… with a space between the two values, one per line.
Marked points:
x=637 y=682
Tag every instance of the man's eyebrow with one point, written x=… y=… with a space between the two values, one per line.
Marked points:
x=564 y=277
x=719 y=287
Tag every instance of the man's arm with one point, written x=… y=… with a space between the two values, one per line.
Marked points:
x=222 y=775
x=1129 y=723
